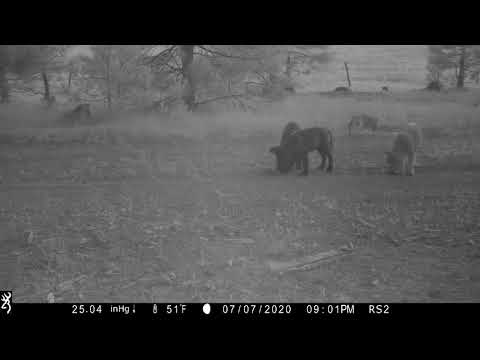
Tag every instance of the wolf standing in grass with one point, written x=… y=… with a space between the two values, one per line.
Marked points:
x=297 y=147
x=289 y=129
x=402 y=159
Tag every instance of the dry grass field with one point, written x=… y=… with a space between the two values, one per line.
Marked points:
x=190 y=208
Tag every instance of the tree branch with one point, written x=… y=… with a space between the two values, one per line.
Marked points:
x=260 y=75
x=295 y=52
x=222 y=54
x=173 y=68
x=163 y=54
x=253 y=83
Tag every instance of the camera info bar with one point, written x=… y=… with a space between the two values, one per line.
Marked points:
x=234 y=311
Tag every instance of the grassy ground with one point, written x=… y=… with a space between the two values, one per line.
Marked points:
x=179 y=212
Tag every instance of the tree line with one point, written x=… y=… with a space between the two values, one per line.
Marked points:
x=159 y=75
x=155 y=74
x=452 y=64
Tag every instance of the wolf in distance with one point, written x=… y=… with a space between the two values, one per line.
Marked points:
x=363 y=122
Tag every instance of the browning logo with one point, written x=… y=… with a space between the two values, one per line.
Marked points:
x=6 y=301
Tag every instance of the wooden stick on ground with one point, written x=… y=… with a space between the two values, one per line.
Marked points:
x=304 y=263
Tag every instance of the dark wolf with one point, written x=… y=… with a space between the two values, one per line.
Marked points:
x=78 y=115
x=288 y=130
x=363 y=121
x=297 y=147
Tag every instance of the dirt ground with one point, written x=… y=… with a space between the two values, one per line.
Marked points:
x=209 y=220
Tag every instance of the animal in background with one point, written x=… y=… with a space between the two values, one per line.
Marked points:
x=342 y=89
x=363 y=121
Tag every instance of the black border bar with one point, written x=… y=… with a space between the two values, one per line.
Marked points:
x=245 y=311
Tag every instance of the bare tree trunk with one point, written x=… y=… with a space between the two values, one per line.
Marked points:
x=70 y=76
x=46 y=85
x=348 y=75
x=461 y=69
x=288 y=67
x=4 y=88
x=107 y=78
x=187 y=70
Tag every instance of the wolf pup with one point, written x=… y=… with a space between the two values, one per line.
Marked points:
x=297 y=147
x=363 y=122
x=288 y=130
x=402 y=159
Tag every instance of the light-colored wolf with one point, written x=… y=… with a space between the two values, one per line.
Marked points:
x=402 y=159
